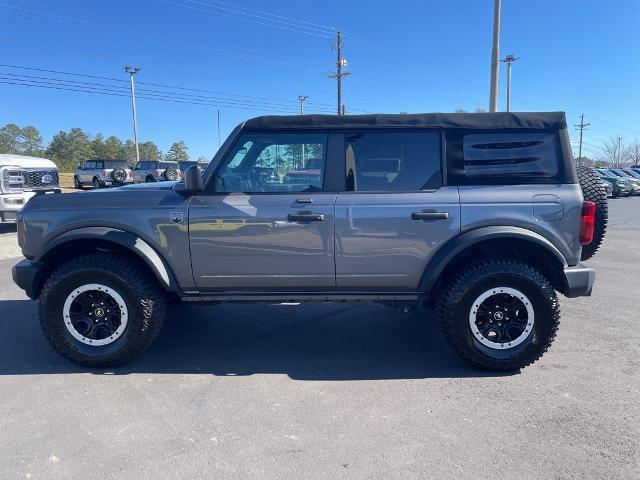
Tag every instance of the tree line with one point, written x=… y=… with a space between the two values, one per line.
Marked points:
x=614 y=153
x=67 y=149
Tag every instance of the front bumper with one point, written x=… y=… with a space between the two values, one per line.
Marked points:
x=578 y=281
x=26 y=275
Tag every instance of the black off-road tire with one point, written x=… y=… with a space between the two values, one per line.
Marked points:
x=76 y=183
x=456 y=299
x=594 y=191
x=149 y=179
x=96 y=183
x=144 y=300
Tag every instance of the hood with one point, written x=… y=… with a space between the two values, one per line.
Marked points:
x=89 y=204
x=166 y=185
x=24 y=161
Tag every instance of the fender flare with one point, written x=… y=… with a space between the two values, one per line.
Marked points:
x=128 y=240
x=453 y=247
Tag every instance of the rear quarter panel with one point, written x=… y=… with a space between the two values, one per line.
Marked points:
x=553 y=211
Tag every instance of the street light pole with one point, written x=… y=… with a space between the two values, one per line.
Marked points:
x=509 y=59
x=132 y=71
x=495 y=53
x=302 y=99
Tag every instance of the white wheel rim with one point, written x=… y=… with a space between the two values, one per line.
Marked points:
x=497 y=315
x=87 y=340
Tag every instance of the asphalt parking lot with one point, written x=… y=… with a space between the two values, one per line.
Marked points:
x=330 y=391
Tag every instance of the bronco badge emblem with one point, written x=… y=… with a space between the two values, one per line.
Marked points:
x=176 y=217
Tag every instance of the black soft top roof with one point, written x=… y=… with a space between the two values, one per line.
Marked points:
x=537 y=120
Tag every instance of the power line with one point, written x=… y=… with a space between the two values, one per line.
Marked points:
x=217 y=95
x=325 y=27
x=247 y=17
x=238 y=53
x=114 y=91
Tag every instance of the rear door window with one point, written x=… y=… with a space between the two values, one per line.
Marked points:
x=393 y=162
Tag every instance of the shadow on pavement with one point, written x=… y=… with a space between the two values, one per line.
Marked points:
x=7 y=228
x=308 y=342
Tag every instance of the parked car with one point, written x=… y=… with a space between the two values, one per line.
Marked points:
x=21 y=177
x=147 y=171
x=634 y=183
x=102 y=173
x=621 y=187
x=310 y=174
x=608 y=186
x=480 y=215
x=631 y=172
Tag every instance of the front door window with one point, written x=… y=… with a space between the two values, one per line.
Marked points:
x=280 y=162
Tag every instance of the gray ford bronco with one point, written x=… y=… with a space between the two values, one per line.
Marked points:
x=481 y=217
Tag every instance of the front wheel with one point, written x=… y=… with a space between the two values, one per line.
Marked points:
x=499 y=315
x=76 y=183
x=101 y=310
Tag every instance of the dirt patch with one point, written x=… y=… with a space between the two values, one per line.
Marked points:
x=66 y=180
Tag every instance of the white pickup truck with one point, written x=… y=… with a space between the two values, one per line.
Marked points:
x=21 y=177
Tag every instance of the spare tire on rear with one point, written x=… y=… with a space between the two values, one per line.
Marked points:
x=594 y=191
x=119 y=175
x=171 y=174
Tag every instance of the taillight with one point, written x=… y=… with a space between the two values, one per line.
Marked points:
x=158 y=173
x=587 y=222
x=103 y=174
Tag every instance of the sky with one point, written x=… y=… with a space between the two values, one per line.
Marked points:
x=578 y=56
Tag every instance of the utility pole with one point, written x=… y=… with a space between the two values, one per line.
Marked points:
x=495 y=54
x=619 y=154
x=509 y=59
x=132 y=71
x=302 y=99
x=581 y=126
x=339 y=74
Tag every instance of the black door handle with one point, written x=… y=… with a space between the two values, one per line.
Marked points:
x=307 y=217
x=304 y=200
x=429 y=215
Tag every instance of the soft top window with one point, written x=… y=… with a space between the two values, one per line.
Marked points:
x=508 y=157
x=510 y=154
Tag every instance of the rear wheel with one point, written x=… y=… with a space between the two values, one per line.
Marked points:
x=594 y=191
x=96 y=183
x=101 y=309
x=499 y=315
x=149 y=179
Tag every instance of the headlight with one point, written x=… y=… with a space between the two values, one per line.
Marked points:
x=11 y=179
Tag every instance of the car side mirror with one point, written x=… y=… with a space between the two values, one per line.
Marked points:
x=193 y=179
